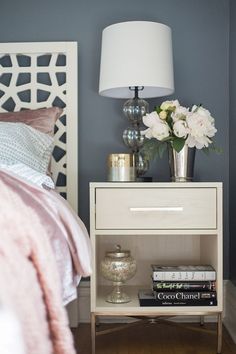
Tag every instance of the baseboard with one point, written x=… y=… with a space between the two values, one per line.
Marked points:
x=84 y=308
x=72 y=311
x=84 y=302
x=230 y=309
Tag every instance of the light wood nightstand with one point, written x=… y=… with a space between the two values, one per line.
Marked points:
x=164 y=223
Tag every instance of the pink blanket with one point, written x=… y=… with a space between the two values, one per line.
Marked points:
x=65 y=231
x=30 y=283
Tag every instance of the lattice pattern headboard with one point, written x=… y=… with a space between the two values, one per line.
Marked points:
x=44 y=74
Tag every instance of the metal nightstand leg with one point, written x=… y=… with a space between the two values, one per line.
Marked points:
x=219 y=333
x=93 y=332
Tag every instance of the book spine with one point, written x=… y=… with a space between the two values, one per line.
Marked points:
x=155 y=302
x=184 y=276
x=184 y=295
x=184 y=286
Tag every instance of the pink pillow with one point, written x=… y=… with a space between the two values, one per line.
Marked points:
x=42 y=119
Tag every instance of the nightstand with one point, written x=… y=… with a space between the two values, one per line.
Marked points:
x=164 y=223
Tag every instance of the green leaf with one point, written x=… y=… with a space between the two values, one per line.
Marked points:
x=213 y=148
x=218 y=150
x=168 y=139
x=206 y=151
x=158 y=109
x=161 y=149
x=178 y=144
x=153 y=148
x=149 y=149
x=169 y=120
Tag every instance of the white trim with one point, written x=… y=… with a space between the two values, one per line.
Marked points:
x=84 y=302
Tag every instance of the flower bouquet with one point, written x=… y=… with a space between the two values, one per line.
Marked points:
x=179 y=126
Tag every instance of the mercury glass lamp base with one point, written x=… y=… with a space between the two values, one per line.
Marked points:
x=117 y=296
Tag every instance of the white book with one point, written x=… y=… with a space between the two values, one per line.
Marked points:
x=183 y=273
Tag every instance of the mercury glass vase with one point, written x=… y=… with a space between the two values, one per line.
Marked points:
x=118 y=266
x=181 y=164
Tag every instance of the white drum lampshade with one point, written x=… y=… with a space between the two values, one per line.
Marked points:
x=136 y=54
x=136 y=63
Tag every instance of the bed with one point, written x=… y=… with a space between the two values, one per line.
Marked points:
x=42 y=77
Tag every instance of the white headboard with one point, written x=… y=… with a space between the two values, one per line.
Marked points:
x=44 y=74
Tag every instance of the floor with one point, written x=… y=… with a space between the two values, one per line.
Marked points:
x=158 y=338
x=234 y=282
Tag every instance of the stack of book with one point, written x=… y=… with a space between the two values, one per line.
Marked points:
x=181 y=286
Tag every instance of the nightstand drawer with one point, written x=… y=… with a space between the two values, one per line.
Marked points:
x=156 y=208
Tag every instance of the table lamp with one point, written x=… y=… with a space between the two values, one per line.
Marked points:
x=136 y=63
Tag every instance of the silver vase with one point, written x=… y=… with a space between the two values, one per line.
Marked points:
x=181 y=164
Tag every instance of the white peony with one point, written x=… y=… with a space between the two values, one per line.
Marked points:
x=199 y=142
x=205 y=113
x=201 y=128
x=157 y=128
x=151 y=119
x=195 y=126
x=169 y=105
x=180 y=128
x=161 y=131
x=180 y=113
x=201 y=110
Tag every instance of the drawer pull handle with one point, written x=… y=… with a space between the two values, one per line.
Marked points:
x=156 y=209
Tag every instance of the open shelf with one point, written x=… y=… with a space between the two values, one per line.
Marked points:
x=161 y=249
x=133 y=307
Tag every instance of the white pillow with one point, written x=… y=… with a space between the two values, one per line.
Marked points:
x=29 y=175
x=20 y=143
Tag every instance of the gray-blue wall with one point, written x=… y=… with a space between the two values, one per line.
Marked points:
x=232 y=139
x=201 y=62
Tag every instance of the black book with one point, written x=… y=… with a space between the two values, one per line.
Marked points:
x=148 y=298
x=184 y=286
x=184 y=295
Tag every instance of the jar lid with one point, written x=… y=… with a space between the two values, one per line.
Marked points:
x=118 y=253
